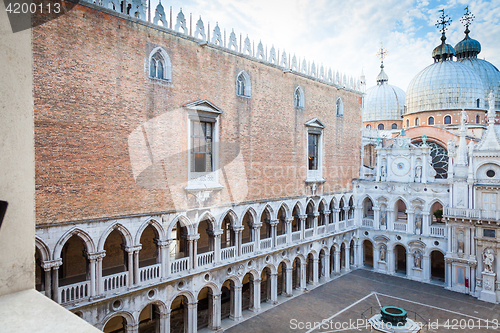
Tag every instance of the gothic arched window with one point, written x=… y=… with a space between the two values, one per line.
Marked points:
x=159 y=65
x=339 y=107
x=243 y=86
x=298 y=98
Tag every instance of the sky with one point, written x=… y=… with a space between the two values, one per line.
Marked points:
x=346 y=35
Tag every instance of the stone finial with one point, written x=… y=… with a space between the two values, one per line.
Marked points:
x=313 y=70
x=217 y=36
x=294 y=63
x=304 y=67
x=181 y=23
x=247 y=47
x=260 y=52
x=322 y=73
x=272 y=56
x=284 y=60
x=337 y=78
x=232 y=41
x=200 y=30
x=344 y=80
x=160 y=17
x=330 y=76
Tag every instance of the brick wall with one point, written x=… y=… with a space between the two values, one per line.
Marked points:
x=92 y=90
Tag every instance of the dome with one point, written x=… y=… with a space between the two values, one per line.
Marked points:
x=445 y=85
x=443 y=51
x=467 y=47
x=490 y=76
x=383 y=101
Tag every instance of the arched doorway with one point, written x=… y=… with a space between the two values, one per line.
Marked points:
x=310 y=269
x=205 y=308
x=342 y=256
x=179 y=315
x=437 y=266
x=400 y=259
x=282 y=278
x=265 y=230
x=205 y=244
x=149 y=254
x=149 y=319
x=39 y=272
x=321 y=264
x=332 y=260
x=115 y=325
x=265 y=285
x=248 y=290
x=115 y=265
x=296 y=274
x=352 y=250
x=310 y=215
x=227 y=304
x=73 y=271
x=296 y=218
x=368 y=253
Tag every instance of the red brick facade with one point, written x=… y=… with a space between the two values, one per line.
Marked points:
x=92 y=90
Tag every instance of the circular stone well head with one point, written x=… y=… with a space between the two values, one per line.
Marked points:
x=393 y=315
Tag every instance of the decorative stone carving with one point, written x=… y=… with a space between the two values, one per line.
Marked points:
x=313 y=70
x=160 y=17
x=330 y=76
x=260 y=52
x=247 y=47
x=418 y=173
x=304 y=67
x=233 y=43
x=284 y=60
x=382 y=252
x=417 y=259
x=200 y=30
x=217 y=36
x=272 y=56
x=488 y=259
x=294 y=63
x=181 y=23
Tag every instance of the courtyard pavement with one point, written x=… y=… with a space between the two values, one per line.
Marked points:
x=341 y=302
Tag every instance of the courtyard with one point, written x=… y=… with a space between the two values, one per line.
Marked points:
x=338 y=306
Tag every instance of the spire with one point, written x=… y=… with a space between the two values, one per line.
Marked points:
x=444 y=51
x=468 y=47
x=382 y=53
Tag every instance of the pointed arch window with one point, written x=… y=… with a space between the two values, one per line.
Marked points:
x=243 y=85
x=159 y=65
x=339 y=107
x=298 y=98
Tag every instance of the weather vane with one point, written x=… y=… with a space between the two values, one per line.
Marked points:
x=467 y=19
x=443 y=22
x=382 y=53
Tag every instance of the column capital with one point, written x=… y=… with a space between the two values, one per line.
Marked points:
x=274 y=222
x=315 y=214
x=196 y=236
x=238 y=229
x=49 y=264
x=132 y=248
x=289 y=220
x=163 y=242
x=96 y=255
x=274 y=274
x=303 y=217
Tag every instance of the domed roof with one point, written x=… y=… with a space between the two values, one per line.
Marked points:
x=443 y=51
x=490 y=76
x=445 y=85
x=467 y=47
x=383 y=101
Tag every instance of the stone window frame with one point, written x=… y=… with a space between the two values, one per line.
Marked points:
x=246 y=90
x=339 y=107
x=315 y=126
x=444 y=119
x=298 y=98
x=166 y=63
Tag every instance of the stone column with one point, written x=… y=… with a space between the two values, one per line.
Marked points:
x=214 y=309
x=302 y=219
x=217 y=246
x=256 y=295
x=48 y=280
x=409 y=264
x=256 y=230
x=192 y=322
x=130 y=266
x=376 y=218
x=426 y=268
x=337 y=262
x=346 y=214
x=347 y=259
x=390 y=219
x=274 y=233
x=274 y=288
x=165 y=322
x=315 y=223
x=336 y=216
x=164 y=246
x=358 y=215
x=55 y=281
x=327 y=220
x=326 y=266
x=426 y=222
x=450 y=239
x=100 y=280
x=376 y=255
x=95 y=277
x=289 y=280
x=303 y=278
x=358 y=255
x=315 y=271
x=410 y=223
x=237 y=295
x=448 y=274
x=391 y=262
x=289 y=230
x=137 y=277
x=193 y=249
x=51 y=286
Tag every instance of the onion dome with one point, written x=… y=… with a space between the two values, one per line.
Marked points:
x=467 y=48
x=383 y=101
x=444 y=51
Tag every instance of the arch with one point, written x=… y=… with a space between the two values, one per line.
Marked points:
x=380 y=127
x=127 y=236
x=89 y=243
x=339 y=107
x=243 y=84
x=129 y=318
x=252 y=272
x=270 y=212
x=299 y=256
x=288 y=263
x=215 y=289
x=252 y=213
x=447 y=119
x=287 y=210
x=299 y=206
x=155 y=224
x=271 y=267
x=236 y=280
x=311 y=201
x=187 y=293
x=417 y=121
x=206 y=216
x=314 y=254
x=159 y=303
x=298 y=98
x=399 y=243
x=394 y=126
x=430 y=121
x=160 y=66
x=43 y=248
x=184 y=221
x=428 y=251
x=232 y=215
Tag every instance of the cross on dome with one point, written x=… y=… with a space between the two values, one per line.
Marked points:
x=443 y=22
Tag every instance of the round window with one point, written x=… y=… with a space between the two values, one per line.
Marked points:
x=490 y=173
